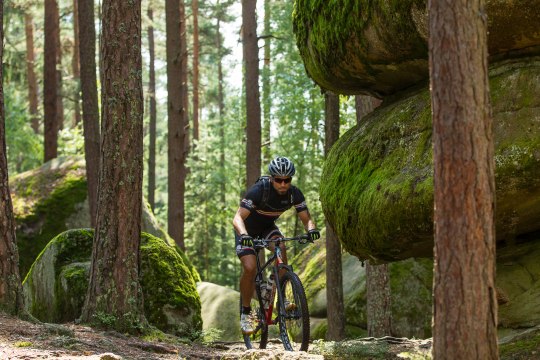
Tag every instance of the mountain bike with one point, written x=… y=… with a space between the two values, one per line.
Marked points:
x=293 y=323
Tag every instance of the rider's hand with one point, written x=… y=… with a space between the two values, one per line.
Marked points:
x=313 y=235
x=246 y=240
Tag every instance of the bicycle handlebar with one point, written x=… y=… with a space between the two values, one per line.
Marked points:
x=258 y=242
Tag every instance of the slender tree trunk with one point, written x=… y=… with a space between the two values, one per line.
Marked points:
x=379 y=312
x=153 y=113
x=465 y=306
x=178 y=138
x=11 y=296
x=75 y=64
x=364 y=105
x=267 y=99
x=195 y=11
x=253 y=105
x=114 y=287
x=222 y=146
x=30 y=73
x=50 y=81
x=59 y=99
x=87 y=50
x=334 y=275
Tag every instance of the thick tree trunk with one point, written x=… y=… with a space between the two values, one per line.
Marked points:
x=30 y=73
x=334 y=275
x=253 y=105
x=195 y=11
x=50 y=81
x=267 y=98
x=75 y=64
x=465 y=306
x=153 y=113
x=378 y=309
x=178 y=138
x=364 y=105
x=11 y=298
x=87 y=50
x=114 y=288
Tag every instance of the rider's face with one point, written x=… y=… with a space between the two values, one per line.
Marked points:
x=281 y=184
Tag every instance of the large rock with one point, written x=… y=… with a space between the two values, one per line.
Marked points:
x=52 y=199
x=377 y=188
x=56 y=285
x=380 y=47
x=220 y=310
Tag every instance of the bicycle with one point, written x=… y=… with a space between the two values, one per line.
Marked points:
x=294 y=323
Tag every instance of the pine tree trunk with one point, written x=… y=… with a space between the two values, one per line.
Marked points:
x=195 y=11
x=59 y=100
x=465 y=306
x=253 y=105
x=267 y=99
x=114 y=287
x=75 y=64
x=178 y=137
x=334 y=275
x=222 y=147
x=378 y=309
x=153 y=113
x=11 y=296
x=364 y=105
x=30 y=73
x=50 y=82
x=87 y=55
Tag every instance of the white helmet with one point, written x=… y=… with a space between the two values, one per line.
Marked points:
x=281 y=166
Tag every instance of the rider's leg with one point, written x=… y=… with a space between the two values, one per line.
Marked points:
x=247 y=279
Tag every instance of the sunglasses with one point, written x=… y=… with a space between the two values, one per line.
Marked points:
x=283 y=181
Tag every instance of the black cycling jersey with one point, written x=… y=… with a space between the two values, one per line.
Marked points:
x=263 y=217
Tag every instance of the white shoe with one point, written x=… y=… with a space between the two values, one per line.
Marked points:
x=289 y=306
x=246 y=324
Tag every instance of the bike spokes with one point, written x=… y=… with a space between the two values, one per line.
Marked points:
x=294 y=323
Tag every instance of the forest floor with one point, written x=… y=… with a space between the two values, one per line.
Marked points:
x=25 y=340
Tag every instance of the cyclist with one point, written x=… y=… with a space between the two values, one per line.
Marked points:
x=261 y=206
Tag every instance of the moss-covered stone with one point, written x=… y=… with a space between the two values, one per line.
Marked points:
x=220 y=309
x=380 y=47
x=378 y=178
x=56 y=284
x=53 y=198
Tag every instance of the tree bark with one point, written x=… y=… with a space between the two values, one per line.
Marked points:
x=59 y=99
x=195 y=11
x=114 y=288
x=378 y=309
x=222 y=143
x=30 y=73
x=11 y=296
x=153 y=113
x=253 y=105
x=87 y=50
x=267 y=99
x=50 y=81
x=334 y=275
x=75 y=64
x=178 y=138
x=465 y=306
x=364 y=105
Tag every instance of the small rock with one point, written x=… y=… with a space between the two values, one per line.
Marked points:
x=110 y=356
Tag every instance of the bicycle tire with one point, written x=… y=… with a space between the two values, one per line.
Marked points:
x=261 y=327
x=294 y=324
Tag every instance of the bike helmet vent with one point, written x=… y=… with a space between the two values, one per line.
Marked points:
x=281 y=166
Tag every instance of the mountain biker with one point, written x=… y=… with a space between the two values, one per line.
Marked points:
x=256 y=217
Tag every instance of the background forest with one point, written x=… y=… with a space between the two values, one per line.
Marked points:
x=292 y=109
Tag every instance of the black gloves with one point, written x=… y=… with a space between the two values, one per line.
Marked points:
x=246 y=240
x=313 y=235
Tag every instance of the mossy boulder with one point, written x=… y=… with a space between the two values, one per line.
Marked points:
x=377 y=188
x=380 y=47
x=54 y=198
x=220 y=309
x=410 y=285
x=55 y=287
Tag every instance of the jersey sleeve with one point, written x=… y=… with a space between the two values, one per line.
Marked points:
x=299 y=201
x=252 y=198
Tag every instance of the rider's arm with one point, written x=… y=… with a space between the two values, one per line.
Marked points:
x=238 y=221
x=306 y=220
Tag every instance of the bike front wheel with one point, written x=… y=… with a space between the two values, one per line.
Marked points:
x=293 y=323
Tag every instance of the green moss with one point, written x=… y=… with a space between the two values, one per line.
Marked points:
x=522 y=349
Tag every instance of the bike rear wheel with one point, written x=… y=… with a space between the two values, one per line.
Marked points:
x=259 y=338
x=293 y=324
